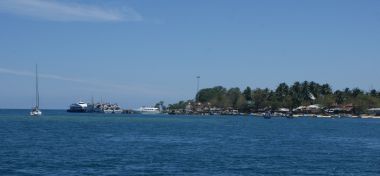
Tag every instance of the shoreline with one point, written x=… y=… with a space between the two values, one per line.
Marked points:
x=255 y=115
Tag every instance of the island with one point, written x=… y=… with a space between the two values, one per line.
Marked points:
x=299 y=99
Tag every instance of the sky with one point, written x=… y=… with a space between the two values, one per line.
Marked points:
x=138 y=52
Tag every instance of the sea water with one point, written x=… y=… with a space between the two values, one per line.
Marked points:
x=59 y=143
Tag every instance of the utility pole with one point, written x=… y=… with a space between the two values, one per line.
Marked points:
x=196 y=95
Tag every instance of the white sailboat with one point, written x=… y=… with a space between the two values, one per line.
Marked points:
x=35 y=110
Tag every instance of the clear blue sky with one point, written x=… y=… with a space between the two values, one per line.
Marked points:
x=138 y=52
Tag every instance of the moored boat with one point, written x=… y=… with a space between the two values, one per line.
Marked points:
x=267 y=115
x=148 y=110
x=78 y=107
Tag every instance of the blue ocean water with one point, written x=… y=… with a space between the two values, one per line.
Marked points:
x=59 y=143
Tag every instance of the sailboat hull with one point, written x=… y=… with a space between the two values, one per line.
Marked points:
x=36 y=113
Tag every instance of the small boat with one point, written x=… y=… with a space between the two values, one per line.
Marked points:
x=108 y=111
x=289 y=115
x=117 y=111
x=111 y=109
x=35 y=110
x=267 y=115
x=324 y=116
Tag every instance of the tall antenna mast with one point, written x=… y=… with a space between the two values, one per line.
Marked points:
x=196 y=95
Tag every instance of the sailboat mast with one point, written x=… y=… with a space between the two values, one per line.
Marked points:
x=37 y=92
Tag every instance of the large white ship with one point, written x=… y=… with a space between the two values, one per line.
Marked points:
x=148 y=110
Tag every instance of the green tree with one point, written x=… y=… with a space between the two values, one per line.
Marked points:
x=356 y=92
x=260 y=98
x=209 y=94
x=327 y=100
x=339 y=97
x=160 y=105
x=233 y=95
x=282 y=91
x=326 y=89
x=373 y=93
x=315 y=89
x=296 y=94
x=179 y=105
x=248 y=94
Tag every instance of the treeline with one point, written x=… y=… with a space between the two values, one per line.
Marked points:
x=284 y=96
